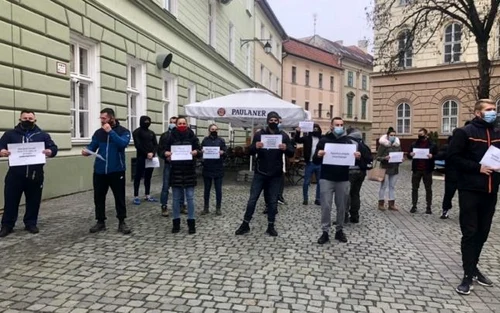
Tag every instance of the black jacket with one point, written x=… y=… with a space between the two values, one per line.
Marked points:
x=214 y=168
x=162 y=145
x=442 y=155
x=467 y=148
x=270 y=161
x=429 y=163
x=335 y=173
x=20 y=135
x=144 y=140
x=307 y=141
x=183 y=173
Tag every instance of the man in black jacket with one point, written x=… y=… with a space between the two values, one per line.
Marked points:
x=310 y=141
x=477 y=188
x=146 y=145
x=268 y=172
x=422 y=170
x=26 y=179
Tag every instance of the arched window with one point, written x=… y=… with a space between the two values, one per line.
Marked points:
x=498 y=107
x=405 y=48
x=450 y=117
x=452 y=43
x=404 y=118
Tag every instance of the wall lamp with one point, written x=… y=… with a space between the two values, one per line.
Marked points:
x=267 y=47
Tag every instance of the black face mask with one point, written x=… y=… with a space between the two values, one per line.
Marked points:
x=145 y=125
x=27 y=124
x=273 y=126
x=213 y=134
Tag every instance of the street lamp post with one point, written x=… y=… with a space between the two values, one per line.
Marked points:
x=267 y=47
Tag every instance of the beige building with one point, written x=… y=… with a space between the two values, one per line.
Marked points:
x=356 y=93
x=312 y=79
x=434 y=88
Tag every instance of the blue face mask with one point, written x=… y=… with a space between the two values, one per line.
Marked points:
x=339 y=130
x=171 y=126
x=490 y=116
x=392 y=139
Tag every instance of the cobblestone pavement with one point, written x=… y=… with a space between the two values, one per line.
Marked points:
x=393 y=262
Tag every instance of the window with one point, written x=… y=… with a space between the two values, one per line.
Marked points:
x=136 y=92
x=405 y=48
x=350 y=79
x=262 y=31
x=452 y=43
x=294 y=75
x=293 y=101
x=404 y=2
x=331 y=111
x=403 y=118
x=332 y=81
x=320 y=81
x=170 y=6
x=249 y=60
x=270 y=81
x=307 y=77
x=498 y=107
x=320 y=108
x=363 y=137
x=307 y=106
x=212 y=23
x=450 y=116
x=191 y=91
x=169 y=99
x=271 y=42
x=84 y=90
x=364 y=100
x=349 y=106
x=277 y=85
x=231 y=52
x=262 y=75
x=364 y=82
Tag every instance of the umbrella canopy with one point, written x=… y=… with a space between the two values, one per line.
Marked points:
x=246 y=108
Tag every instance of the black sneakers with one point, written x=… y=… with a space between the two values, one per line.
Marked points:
x=413 y=209
x=32 y=229
x=243 y=229
x=444 y=215
x=482 y=280
x=123 y=228
x=99 y=226
x=317 y=202
x=324 y=238
x=465 y=286
x=271 y=231
x=340 y=236
x=5 y=231
x=428 y=210
x=305 y=202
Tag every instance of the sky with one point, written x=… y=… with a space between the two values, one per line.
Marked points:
x=336 y=19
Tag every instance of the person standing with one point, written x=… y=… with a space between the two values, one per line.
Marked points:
x=477 y=188
x=24 y=179
x=422 y=170
x=388 y=143
x=310 y=141
x=109 y=143
x=183 y=173
x=268 y=172
x=213 y=169
x=166 y=166
x=334 y=179
x=146 y=145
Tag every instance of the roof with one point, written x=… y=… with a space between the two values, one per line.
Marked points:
x=264 y=5
x=351 y=52
x=305 y=51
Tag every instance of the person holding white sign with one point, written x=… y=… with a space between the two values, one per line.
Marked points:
x=182 y=149
x=27 y=179
x=388 y=144
x=214 y=151
x=477 y=188
x=422 y=167
x=334 y=179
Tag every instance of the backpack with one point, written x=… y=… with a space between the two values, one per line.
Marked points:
x=365 y=162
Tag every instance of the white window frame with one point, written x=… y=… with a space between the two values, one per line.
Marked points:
x=212 y=23
x=452 y=43
x=92 y=80
x=231 y=44
x=170 y=6
x=249 y=60
x=262 y=71
x=448 y=117
x=277 y=85
x=350 y=79
x=191 y=98
x=405 y=47
x=169 y=98
x=332 y=83
x=271 y=42
x=138 y=92
x=405 y=119
x=270 y=81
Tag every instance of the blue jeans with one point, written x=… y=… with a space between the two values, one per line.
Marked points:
x=218 y=191
x=310 y=169
x=166 y=185
x=271 y=187
x=178 y=192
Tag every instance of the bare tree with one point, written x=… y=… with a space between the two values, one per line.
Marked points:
x=414 y=29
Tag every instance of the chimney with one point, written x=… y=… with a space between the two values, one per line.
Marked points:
x=363 y=45
x=340 y=42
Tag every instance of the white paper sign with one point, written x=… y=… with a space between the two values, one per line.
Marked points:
x=153 y=163
x=94 y=154
x=491 y=158
x=396 y=157
x=29 y=153
x=306 y=127
x=339 y=154
x=421 y=153
x=181 y=153
x=271 y=141
x=211 y=152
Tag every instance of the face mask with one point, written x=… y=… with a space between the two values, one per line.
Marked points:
x=171 y=126
x=490 y=116
x=339 y=130
x=273 y=126
x=27 y=124
x=213 y=134
x=392 y=139
x=146 y=125
x=182 y=128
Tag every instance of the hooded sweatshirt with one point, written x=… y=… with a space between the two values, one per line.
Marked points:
x=144 y=139
x=366 y=154
x=337 y=173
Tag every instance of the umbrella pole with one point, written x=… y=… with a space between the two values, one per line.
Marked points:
x=251 y=139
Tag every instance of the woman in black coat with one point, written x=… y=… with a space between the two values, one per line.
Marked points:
x=213 y=169
x=183 y=172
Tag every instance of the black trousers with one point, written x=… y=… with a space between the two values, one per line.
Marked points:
x=102 y=183
x=140 y=171
x=416 y=177
x=476 y=213
x=450 y=187
x=356 y=178
x=15 y=186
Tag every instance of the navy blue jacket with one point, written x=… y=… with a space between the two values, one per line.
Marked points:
x=270 y=161
x=21 y=135
x=111 y=146
x=214 y=168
